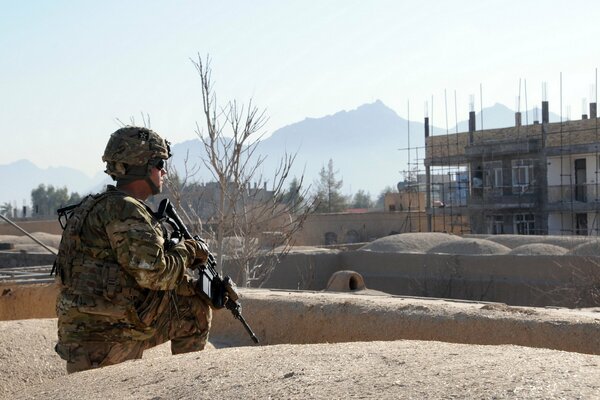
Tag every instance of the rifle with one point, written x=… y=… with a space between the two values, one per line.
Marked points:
x=221 y=292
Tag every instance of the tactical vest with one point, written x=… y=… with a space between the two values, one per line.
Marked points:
x=86 y=270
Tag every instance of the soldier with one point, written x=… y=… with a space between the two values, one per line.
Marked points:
x=122 y=291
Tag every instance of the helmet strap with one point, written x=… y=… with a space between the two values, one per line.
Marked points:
x=126 y=180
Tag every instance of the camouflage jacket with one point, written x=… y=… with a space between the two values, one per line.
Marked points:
x=114 y=270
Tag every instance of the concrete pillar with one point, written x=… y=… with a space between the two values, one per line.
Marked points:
x=593 y=112
x=427 y=183
x=545 y=112
x=428 y=197
x=472 y=126
x=517 y=119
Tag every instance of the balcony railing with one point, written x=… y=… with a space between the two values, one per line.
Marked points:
x=574 y=194
x=505 y=196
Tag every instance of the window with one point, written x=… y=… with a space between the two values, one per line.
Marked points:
x=580 y=180
x=522 y=175
x=498 y=177
x=492 y=174
x=524 y=224
x=495 y=224
x=581 y=224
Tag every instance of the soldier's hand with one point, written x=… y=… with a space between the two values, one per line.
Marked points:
x=231 y=289
x=199 y=250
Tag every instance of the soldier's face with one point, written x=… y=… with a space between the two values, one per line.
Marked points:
x=158 y=176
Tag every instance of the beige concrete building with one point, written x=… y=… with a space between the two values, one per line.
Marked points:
x=533 y=179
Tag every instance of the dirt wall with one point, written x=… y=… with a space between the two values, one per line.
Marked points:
x=301 y=271
x=362 y=227
x=18 y=259
x=301 y=317
x=317 y=317
x=512 y=279
x=516 y=280
x=27 y=301
x=49 y=226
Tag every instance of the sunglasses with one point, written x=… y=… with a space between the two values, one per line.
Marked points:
x=160 y=164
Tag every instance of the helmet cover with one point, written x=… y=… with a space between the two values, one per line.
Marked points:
x=132 y=147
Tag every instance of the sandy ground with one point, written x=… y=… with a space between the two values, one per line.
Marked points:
x=29 y=369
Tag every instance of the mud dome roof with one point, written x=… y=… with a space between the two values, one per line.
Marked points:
x=512 y=241
x=587 y=249
x=469 y=247
x=538 y=249
x=308 y=250
x=409 y=242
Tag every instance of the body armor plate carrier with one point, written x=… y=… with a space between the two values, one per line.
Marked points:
x=75 y=268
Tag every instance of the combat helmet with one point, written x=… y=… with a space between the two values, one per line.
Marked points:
x=132 y=152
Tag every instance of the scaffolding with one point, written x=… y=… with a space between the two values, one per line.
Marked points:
x=579 y=198
x=540 y=178
x=440 y=204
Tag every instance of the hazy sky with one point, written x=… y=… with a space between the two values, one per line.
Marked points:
x=69 y=68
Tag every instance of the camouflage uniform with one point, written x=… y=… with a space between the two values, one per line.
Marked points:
x=122 y=292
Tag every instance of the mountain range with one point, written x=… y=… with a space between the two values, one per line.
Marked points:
x=369 y=147
x=363 y=143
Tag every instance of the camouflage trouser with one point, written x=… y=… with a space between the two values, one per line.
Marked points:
x=187 y=328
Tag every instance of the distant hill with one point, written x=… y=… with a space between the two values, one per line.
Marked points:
x=368 y=146
x=21 y=177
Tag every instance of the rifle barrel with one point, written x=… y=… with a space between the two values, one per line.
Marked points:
x=235 y=310
x=248 y=329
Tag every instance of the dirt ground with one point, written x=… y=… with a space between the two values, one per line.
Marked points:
x=29 y=369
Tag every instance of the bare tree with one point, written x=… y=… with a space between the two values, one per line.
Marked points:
x=6 y=209
x=177 y=185
x=146 y=123
x=581 y=289
x=260 y=225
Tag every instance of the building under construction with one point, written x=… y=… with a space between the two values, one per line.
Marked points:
x=526 y=179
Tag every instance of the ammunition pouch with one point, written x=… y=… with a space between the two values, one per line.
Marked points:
x=99 y=278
